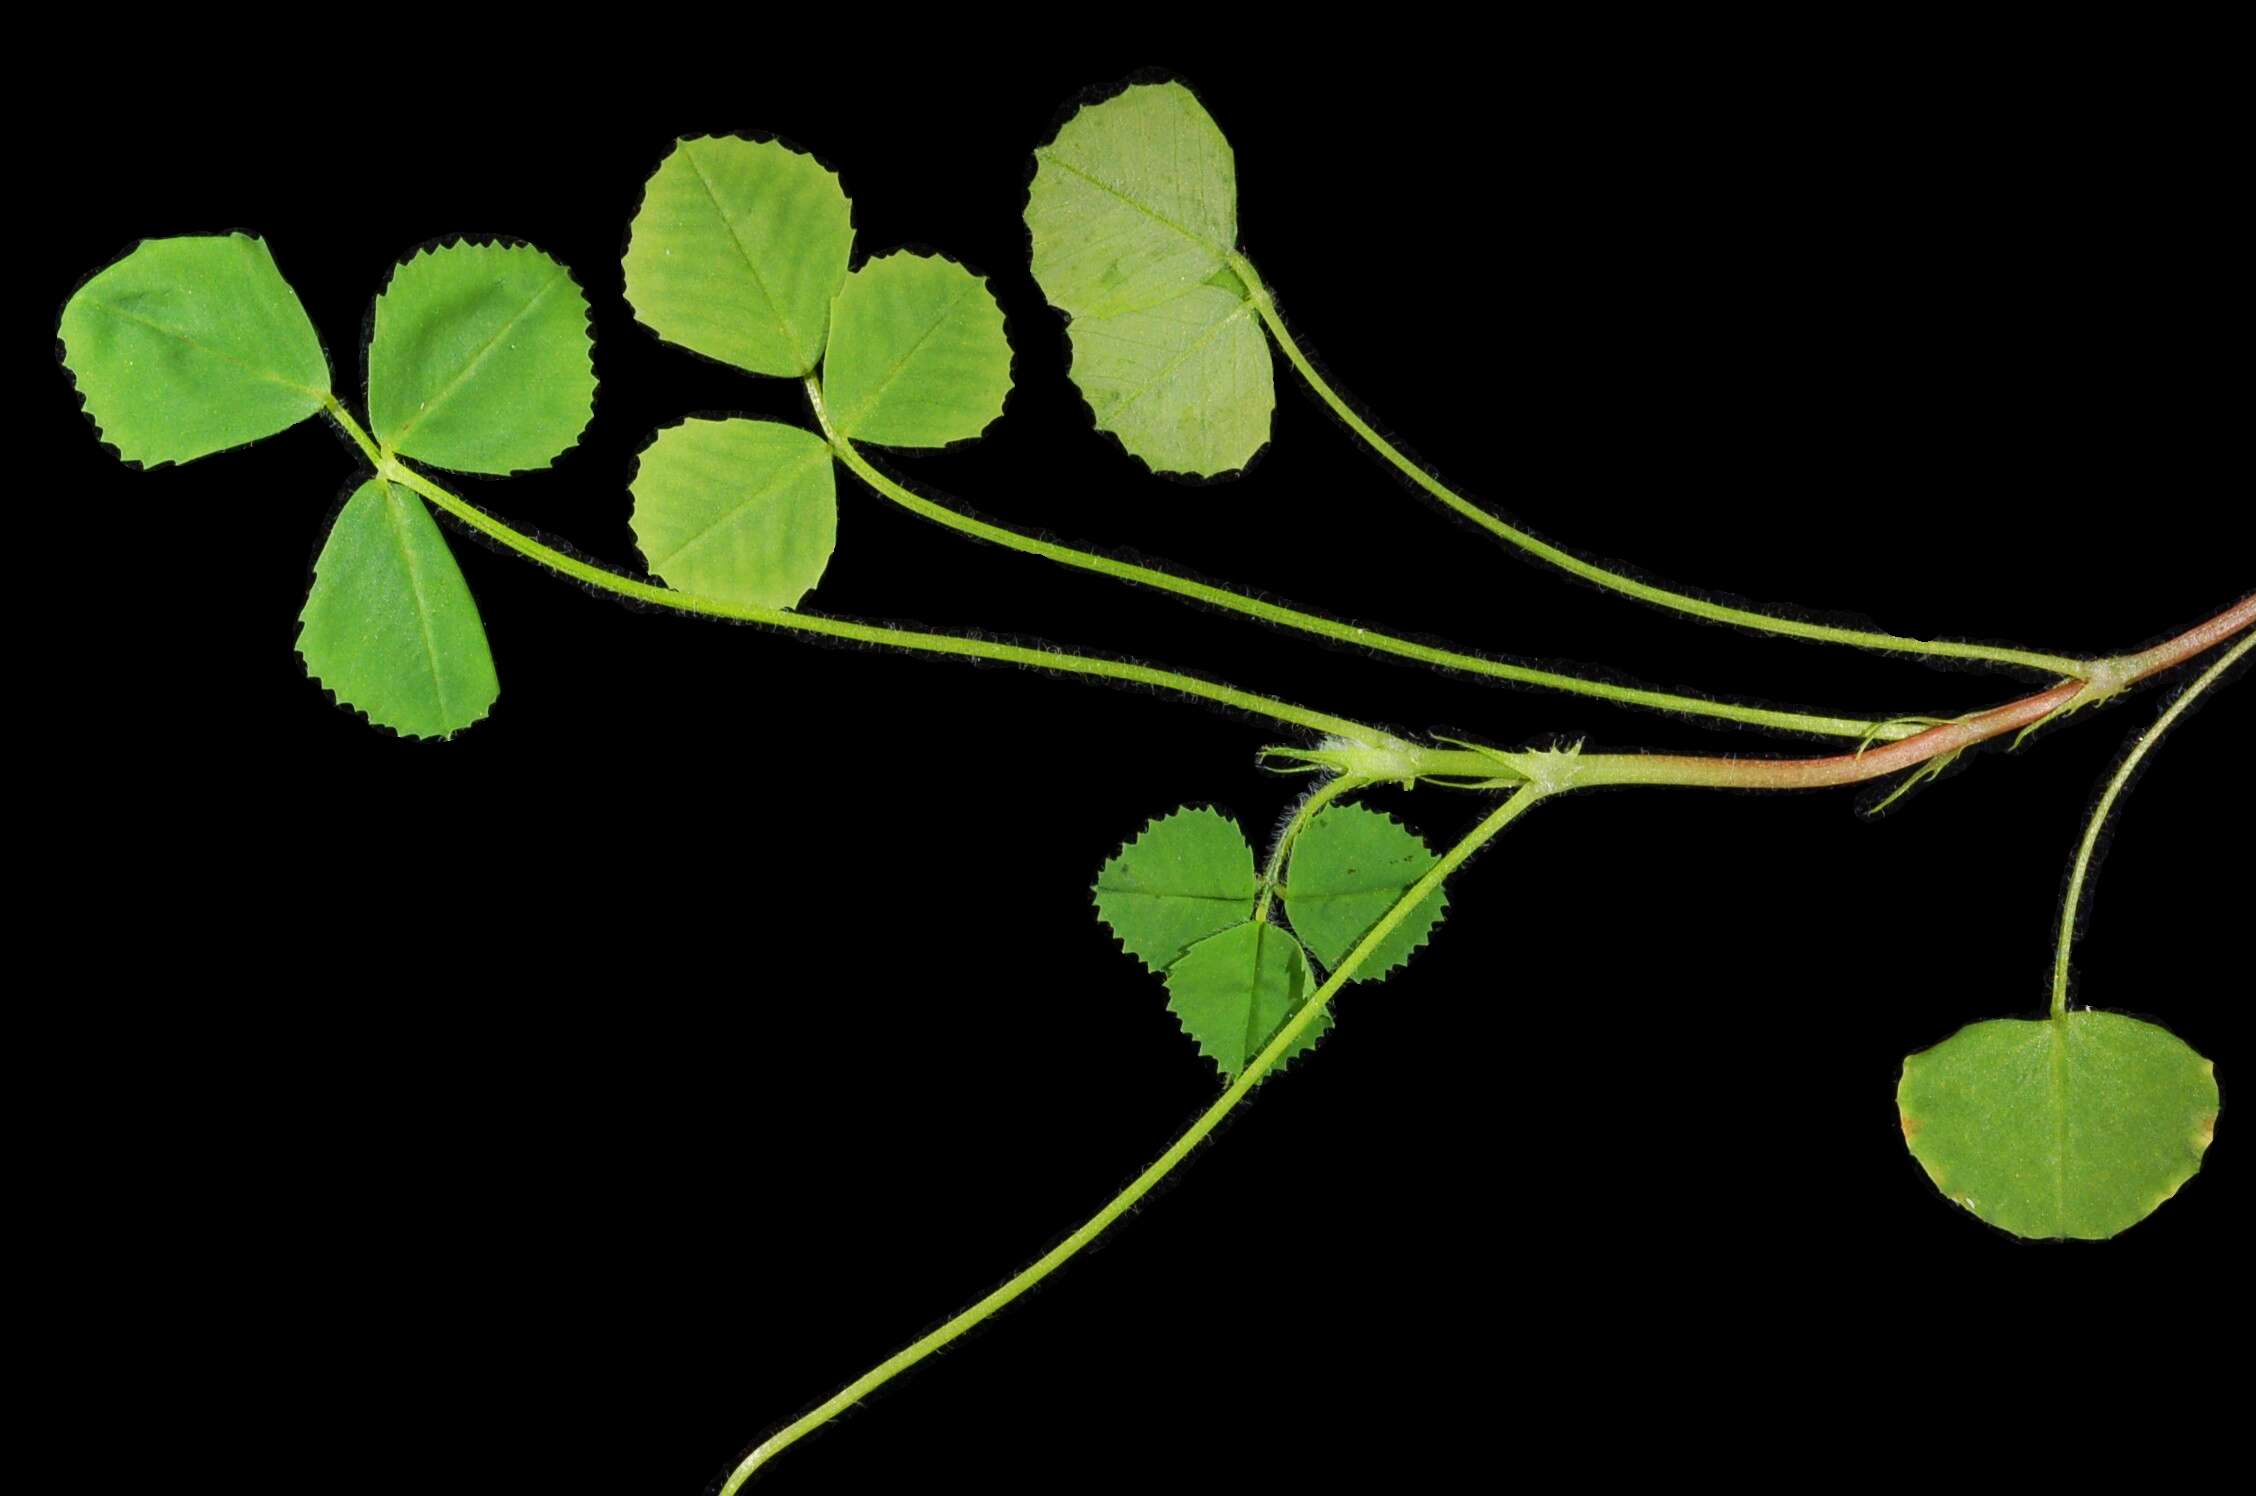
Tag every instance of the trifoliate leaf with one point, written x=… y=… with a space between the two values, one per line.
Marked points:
x=1348 y=868
x=743 y=511
x=1185 y=877
x=2077 y=1126
x=192 y=345
x=1185 y=385
x=480 y=359
x=1233 y=991
x=737 y=251
x=917 y=356
x=390 y=626
x=1133 y=213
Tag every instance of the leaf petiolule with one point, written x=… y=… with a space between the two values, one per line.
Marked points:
x=1348 y=868
x=1234 y=990
x=1134 y=218
x=1186 y=876
x=2074 y=1126
x=192 y=345
x=737 y=250
x=739 y=510
x=480 y=360
x=917 y=354
x=390 y=626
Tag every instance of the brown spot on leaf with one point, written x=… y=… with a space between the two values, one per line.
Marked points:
x=2204 y=1132
x=1909 y=1124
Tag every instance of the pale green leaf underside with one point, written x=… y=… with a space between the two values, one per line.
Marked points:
x=390 y=626
x=737 y=251
x=1186 y=876
x=2076 y=1126
x=1133 y=213
x=742 y=511
x=1186 y=385
x=1134 y=203
x=1234 y=990
x=917 y=355
x=192 y=345
x=480 y=360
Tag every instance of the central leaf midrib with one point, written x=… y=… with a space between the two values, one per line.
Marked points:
x=1221 y=254
x=2060 y=1124
x=1294 y=892
x=393 y=506
x=172 y=332
x=1203 y=898
x=759 y=283
x=1168 y=369
x=1246 y=1050
x=485 y=350
x=736 y=510
x=901 y=363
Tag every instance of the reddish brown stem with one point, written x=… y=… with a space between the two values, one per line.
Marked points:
x=1907 y=753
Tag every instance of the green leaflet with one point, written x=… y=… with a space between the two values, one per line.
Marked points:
x=917 y=353
x=1133 y=214
x=192 y=345
x=1186 y=876
x=1133 y=203
x=389 y=625
x=1181 y=899
x=1185 y=385
x=480 y=360
x=1348 y=868
x=1233 y=991
x=742 y=511
x=2074 y=1126
x=737 y=251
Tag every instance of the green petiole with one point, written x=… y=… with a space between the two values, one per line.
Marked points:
x=1330 y=628
x=1314 y=801
x=1049 y=1262
x=920 y=641
x=1544 y=775
x=2115 y=786
x=1567 y=561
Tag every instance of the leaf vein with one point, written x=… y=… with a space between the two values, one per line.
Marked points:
x=782 y=478
x=878 y=389
x=1218 y=251
x=790 y=328
x=485 y=350
x=1178 y=361
x=392 y=513
x=172 y=332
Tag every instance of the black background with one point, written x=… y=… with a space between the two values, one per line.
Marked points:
x=560 y=1107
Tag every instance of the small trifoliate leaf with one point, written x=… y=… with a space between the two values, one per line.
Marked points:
x=1133 y=214
x=1185 y=385
x=737 y=250
x=192 y=345
x=480 y=360
x=2076 y=1126
x=917 y=355
x=1348 y=868
x=389 y=625
x=1233 y=991
x=1186 y=876
x=743 y=511
x=1134 y=202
